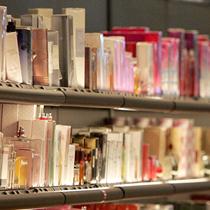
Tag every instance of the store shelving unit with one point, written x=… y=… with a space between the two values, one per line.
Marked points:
x=97 y=193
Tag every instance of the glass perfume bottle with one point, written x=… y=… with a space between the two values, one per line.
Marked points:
x=27 y=160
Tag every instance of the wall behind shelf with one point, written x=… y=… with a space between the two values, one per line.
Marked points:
x=157 y=14
x=83 y=117
x=161 y=14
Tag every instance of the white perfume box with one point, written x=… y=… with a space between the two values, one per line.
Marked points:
x=78 y=15
x=12 y=58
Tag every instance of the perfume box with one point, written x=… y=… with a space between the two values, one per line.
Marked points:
x=27 y=112
x=116 y=46
x=114 y=148
x=25 y=52
x=12 y=58
x=3 y=28
x=128 y=159
x=53 y=58
x=78 y=48
x=95 y=77
x=9 y=119
x=12 y=113
x=49 y=152
x=144 y=55
x=156 y=138
x=70 y=164
x=39 y=131
x=64 y=25
x=40 y=56
x=62 y=139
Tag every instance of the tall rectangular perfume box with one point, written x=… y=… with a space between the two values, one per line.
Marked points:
x=49 y=152
x=137 y=141
x=116 y=46
x=95 y=77
x=70 y=164
x=129 y=68
x=40 y=56
x=12 y=58
x=46 y=14
x=114 y=150
x=39 y=131
x=183 y=147
x=64 y=150
x=206 y=140
x=128 y=159
x=170 y=66
x=78 y=74
x=203 y=62
x=198 y=135
x=64 y=25
x=3 y=28
x=102 y=136
x=144 y=55
x=178 y=33
x=53 y=58
x=154 y=37
x=62 y=139
x=191 y=70
x=25 y=51
x=156 y=138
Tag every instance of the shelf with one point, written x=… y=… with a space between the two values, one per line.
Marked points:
x=18 y=93
x=50 y=196
x=15 y=93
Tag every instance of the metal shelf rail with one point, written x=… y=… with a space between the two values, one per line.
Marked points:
x=26 y=94
x=51 y=196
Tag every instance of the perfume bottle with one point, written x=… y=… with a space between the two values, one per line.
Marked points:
x=26 y=161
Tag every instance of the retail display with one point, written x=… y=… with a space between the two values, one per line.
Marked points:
x=47 y=58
